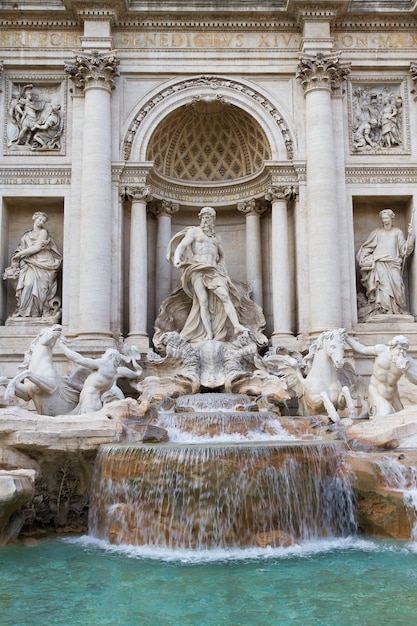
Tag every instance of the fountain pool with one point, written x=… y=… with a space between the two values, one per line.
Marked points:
x=330 y=582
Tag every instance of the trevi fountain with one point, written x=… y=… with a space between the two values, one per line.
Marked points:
x=208 y=336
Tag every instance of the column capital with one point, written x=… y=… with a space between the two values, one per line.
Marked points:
x=136 y=193
x=281 y=192
x=319 y=71
x=165 y=207
x=93 y=69
x=252 y=207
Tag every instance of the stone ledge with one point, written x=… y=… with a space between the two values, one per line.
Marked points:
x=392 y=431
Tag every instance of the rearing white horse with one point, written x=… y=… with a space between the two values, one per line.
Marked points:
x=39 y=380
x=321 y=380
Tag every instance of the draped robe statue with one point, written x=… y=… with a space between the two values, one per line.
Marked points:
x=381 y=259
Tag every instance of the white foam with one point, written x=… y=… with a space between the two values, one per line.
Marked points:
x=277 y=433
x=302 y=550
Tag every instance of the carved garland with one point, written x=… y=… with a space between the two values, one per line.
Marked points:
x=214 y=83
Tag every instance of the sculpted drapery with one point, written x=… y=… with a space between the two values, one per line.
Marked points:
x=35 y=264
x=381 y=259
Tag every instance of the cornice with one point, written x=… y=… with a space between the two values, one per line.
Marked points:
x=216 y=195
x=190 y=21
x=389 y=23
x=39 y=23
x=361 y=174
x=16 y=176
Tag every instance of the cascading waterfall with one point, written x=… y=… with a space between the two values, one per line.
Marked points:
x=223 y=426
x=399 y=477
x=208 y=496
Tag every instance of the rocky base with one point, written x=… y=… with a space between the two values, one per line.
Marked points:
x=46 y=464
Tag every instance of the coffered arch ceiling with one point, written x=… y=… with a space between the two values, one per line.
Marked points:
x=209 y=142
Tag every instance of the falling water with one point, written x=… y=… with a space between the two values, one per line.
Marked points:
x=207 y=426
x=210 y=496
x=226 y=417
x=399 y=477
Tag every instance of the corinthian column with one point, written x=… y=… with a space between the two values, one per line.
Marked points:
x=280 y=270
x=253 y=211
x=163 y=212
x=138 y=266
x=319 y=74
x=93 y=73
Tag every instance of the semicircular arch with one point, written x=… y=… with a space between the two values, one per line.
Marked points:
x=176 y=94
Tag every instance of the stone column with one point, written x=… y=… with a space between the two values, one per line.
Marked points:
x=163 y=212
x=253 y=211
x=138 y=266
x=93 y=73
x=280 y=271
x=319 y=74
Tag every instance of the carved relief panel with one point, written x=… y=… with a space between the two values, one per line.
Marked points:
x=34 y=121
x=378 y=116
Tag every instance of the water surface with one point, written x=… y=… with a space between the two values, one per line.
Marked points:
x=335 y=582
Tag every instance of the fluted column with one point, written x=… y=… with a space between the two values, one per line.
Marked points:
x=93 y=73
x=280 y=270
x=253 y=211
x=138 y=266
x=163 y=212
x=319 y=74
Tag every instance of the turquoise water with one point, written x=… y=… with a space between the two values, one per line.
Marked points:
x=337 y=582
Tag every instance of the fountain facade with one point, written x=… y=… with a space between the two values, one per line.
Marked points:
x=288 y=281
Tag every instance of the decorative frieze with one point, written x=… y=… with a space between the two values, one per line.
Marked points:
x=381 y=175
x=35 y=176
x=93 y=70
x=198 y=195
x=378 y=116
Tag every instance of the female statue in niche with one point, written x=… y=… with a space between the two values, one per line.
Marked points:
x=34 y=265
x=381 y=261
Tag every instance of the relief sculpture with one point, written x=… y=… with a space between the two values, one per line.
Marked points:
x=377 y=118
x=35 y=122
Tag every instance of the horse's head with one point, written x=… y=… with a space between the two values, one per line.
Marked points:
x=334 y=344
x=48 y=336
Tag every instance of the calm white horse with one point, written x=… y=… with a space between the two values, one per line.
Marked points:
x=322 y=379
x=39 y=380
